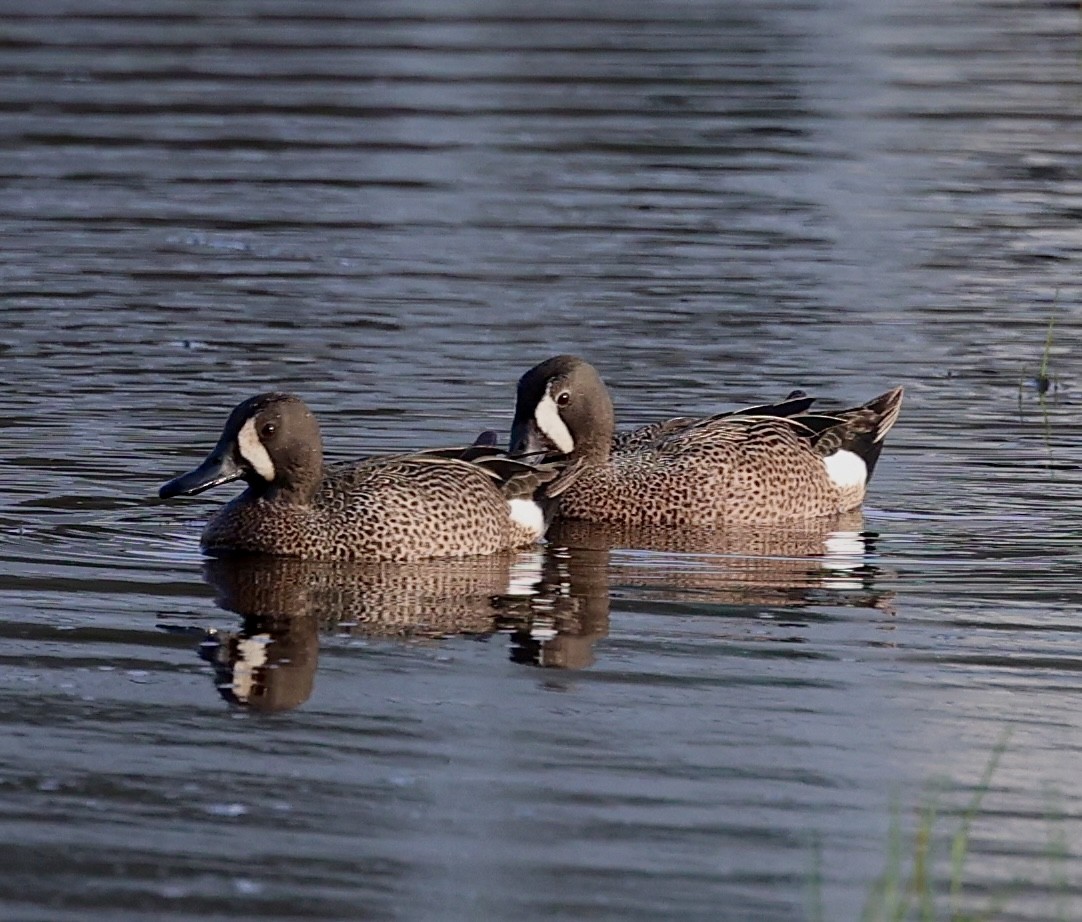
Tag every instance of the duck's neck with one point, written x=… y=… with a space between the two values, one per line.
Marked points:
x=289 y=494
x=298 y=481
x=594 y=442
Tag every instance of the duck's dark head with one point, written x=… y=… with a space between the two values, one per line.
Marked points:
x=563 y=405
x=271 y=441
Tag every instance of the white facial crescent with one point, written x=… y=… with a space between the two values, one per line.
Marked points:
x=547 y=417
x=255 y=452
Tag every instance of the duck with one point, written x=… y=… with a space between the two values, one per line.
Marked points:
x=426 y=504
x=762 y=465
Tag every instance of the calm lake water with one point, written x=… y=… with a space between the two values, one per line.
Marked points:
x=394 y=209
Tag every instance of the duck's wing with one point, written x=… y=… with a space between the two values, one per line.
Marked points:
x=519 y=479
x=646 y=437
x=514 y=477
x=860 y=430
x=657 y=434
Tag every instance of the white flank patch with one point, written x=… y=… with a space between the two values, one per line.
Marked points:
x=254 y=452
x=548 y=420
x=846 y=469
x=528 y=514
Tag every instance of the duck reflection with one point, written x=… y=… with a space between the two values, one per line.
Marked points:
x=269 y=662
x=819 y=562
x=826 y=562
x=569 y=612
x=552 y=603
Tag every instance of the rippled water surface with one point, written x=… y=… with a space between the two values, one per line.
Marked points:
x=394 y=209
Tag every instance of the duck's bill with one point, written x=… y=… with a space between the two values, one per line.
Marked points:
x=527 y=439
x=217 y=469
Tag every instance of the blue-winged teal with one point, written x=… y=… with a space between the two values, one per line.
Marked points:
x=761 y=465
x=439 y=503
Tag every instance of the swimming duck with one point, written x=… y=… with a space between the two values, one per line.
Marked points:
x=439 y=503
x=762 y=465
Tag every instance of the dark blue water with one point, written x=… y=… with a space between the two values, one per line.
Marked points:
x=394 y=210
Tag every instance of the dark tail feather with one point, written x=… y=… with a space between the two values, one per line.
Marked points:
x=547 y=494
x=542 y=482
x=545 y=484
x=887 y=407
x=863 y=429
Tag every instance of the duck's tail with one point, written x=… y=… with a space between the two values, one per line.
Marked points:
x=532 y=489
x=540 y=485
x=861 y=430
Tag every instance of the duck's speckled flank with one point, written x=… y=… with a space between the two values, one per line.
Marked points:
x=767 y=464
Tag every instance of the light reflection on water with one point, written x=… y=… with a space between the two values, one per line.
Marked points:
x=395 y=213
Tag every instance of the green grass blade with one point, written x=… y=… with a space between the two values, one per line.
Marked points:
x=960 y=841
x=1057 y=853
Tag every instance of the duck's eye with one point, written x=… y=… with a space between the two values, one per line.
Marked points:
x=268 y=430
x=563 y=399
